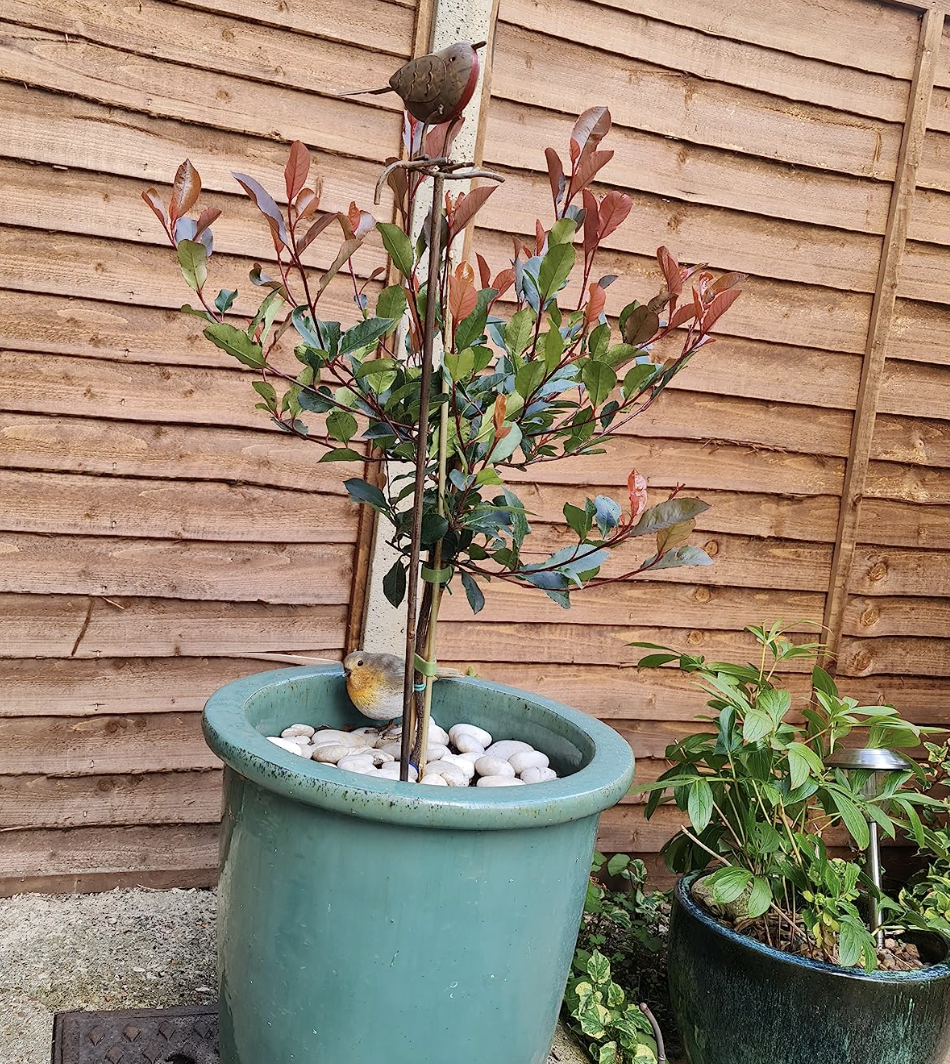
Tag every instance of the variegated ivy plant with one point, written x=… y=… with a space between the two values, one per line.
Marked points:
x=534 y=369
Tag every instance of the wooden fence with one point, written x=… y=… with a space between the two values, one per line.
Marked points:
x=155 y=532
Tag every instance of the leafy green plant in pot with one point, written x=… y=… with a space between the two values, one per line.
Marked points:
x=440 y=907
x=775 y=935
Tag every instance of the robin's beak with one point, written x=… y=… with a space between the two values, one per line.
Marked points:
x=481 y=44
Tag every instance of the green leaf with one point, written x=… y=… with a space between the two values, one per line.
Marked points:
x=528 y=378
x=620 y=354
x=398 y=246
x=666 y=514
x=364 y=333
x=391 y=303
x=598 y=968
x=342 y=454
x=555 y=270
x=471 y=328
x=637 y=378
x=236 y=342
x=617 y=864
x=579 y=520
x=852 y=818
x=224 y=299
x=266 y=391
x=760 y=897
x=473 y=592
x=394 y=584
x=599 y=380
x=518 y=331
x=461 y=365
x=852 y=940
x=434 y=527
x=756 y=725
x=562 y=232
x=607 y=1054
x=553 y=349
x=505 y=448
x=801 y=761
x=729 y=884
x=193 y=258
x=361 y=491
x=700 y=805
x=341 y=425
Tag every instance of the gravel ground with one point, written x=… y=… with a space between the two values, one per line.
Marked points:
x=120 y=950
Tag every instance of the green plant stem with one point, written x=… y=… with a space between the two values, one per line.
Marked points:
x=422 y=455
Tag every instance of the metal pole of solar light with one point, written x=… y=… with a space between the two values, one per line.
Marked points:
x=878 y=763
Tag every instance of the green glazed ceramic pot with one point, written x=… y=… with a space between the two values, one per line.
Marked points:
x=737 y=1001
x=366 y=921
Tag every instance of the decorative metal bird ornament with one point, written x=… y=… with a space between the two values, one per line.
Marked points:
x=435 y=88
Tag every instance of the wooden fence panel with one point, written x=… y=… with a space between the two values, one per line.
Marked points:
x=157 y=537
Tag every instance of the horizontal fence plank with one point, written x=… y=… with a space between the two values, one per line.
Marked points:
x=929 y=220
x=35 y=802
x=907 y=483
x=887 y=522
x=682 y=48
x=89 y=859
x=63 y=626
x=915 y=389
x=920 y=332
x=82 y=135
x=924 y=273
x=734 y=240
x=775 y=311
x=203 y=97
x=185 y=569
x=83 y=746
x=895 y=655
x=680 y=170
x=681 y=606
x=674 y=104
x=854 y=33
x=111 y=506
x=912 y=440
x=889 y=616
x=192 y=452
x=894 y=571
x=77 y=687
x=72 y=265
x=566 y=643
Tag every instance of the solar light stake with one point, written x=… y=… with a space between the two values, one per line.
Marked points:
x=878 y=762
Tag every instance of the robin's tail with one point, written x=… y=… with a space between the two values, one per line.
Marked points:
x=367 y=92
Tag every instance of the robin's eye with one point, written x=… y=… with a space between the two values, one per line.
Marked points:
x=360 y=662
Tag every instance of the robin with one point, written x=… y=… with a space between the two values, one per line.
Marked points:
x=374 y=683
x=435 y=88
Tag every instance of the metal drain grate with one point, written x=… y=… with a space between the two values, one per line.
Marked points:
x=137 y=1036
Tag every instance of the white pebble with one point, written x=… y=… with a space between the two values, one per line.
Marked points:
x=349 y=739
x=493 y=766
x=390 y=771
x=380 y=757
x=297 y=729
x=433 y=780
x=506 y=747
x=300 y=740
x=285 y=744
x=500 y=781
x=468 y=744
x=390 y=748
x=304 y=751
x=528 y=759
x=468 y=769
x=330 y=753
x=482 y=737
x=538 y=775
x=356 y=763
x=450 y=772
x=437 y=734
x=472 y=755
x=436 y=751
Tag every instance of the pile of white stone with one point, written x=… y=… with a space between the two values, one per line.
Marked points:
x=462 y=756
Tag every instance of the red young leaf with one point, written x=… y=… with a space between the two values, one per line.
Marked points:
x=540 y=235
x=185 y=191
x=614 y=208
x=586 y=170
x=266 y=205
x=464 y=272
x=680 y=316
x=308 y=200
x=727 y=281
x=296 y=169
x=356 y=223
x=591 y=223
x=207 y=217
x=595 y=304
x=637 y=487
x=484 y=271
x=353 y=216
x=718 y=307
x=347 y=248
x=498 y=414
x=313 y=232
x=502 y=282
x=467 y=206
x=555 y=174
x=462 y=298
x=440 y=138
x=671 y=270
x=589 y=130
x=154 y=201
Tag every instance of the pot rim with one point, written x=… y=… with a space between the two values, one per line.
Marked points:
x=586 y=792
x=692 y=908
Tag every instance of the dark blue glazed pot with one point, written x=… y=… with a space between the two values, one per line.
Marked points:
x=737 y=1001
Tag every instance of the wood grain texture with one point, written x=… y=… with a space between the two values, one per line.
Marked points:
x=108 y=626
x=38 y=801
x=845 y=556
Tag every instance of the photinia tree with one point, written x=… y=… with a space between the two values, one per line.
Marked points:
x=532 y=370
